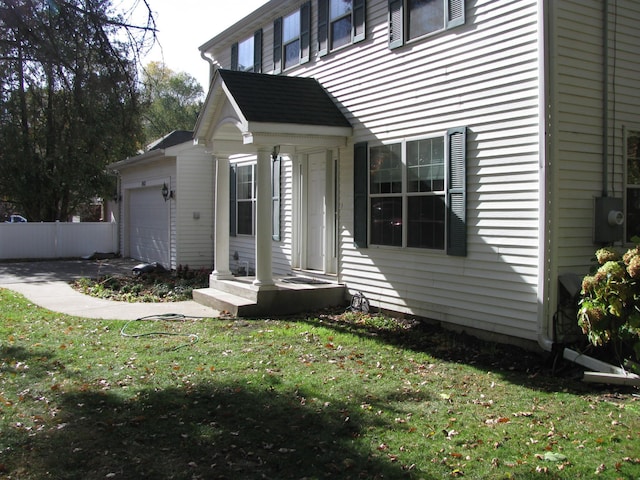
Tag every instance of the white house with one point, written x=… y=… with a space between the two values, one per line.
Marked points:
x=165 y=202
x=473 y=156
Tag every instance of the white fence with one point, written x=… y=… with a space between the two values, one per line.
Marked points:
x=57 y=239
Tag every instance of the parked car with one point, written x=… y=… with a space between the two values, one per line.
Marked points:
x=16 y=219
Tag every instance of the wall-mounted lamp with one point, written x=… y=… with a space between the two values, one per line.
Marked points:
x=275 y=152
x=166 y=193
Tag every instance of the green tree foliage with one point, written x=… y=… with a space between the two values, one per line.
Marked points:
x=170 y=101
x=68 y=102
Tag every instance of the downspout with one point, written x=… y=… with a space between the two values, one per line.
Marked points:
x=605 y=99
x=212 y=66
x=546 y=211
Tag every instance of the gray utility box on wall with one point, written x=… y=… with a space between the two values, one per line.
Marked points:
x=608 y=220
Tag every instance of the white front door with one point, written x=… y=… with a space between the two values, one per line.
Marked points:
x=316 y=211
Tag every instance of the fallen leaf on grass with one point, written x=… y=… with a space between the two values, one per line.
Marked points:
x=494 y=421
x=552 y=457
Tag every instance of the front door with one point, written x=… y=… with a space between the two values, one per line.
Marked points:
x=316 y=211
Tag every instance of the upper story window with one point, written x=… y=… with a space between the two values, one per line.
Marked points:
x=291 y=39
x=410 y=19
x=291 y=35
x=340 y=23
x=632 y=220
x=246 y=56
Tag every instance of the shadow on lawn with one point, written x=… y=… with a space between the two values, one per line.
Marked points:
x=531 y=369
x=205 y=431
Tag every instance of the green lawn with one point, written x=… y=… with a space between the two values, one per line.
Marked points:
x=325 y=397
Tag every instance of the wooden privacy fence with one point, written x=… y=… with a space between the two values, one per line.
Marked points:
x=57 y=239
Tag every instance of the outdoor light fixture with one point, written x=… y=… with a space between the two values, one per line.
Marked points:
x=166 y=193
x=275 y=152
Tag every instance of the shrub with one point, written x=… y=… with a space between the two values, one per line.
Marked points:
x=609 y=310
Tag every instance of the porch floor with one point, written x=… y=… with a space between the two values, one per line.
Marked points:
x=239 y=297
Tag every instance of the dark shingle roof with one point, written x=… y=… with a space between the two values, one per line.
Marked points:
x=282 y=99
x=174 y=138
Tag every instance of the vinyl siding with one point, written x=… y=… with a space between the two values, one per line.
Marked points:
x=578 y=73
x=194 y=198
x=190 y=174
x=483 y=75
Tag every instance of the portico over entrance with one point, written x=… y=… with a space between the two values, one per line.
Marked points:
x=266 y=116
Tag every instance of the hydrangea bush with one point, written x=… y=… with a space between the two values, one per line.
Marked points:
x=609 y=311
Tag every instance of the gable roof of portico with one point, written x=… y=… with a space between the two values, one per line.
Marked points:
x=269 y=105
x=282 y=99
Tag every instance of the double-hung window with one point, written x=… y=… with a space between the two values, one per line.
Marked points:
x=340 y=23
x=246 y=55
x=243 y=198
x=415 y=194
x=291 y=37
x=632 y=220
x=246 y=198
x=411 y=19
x=407 y=188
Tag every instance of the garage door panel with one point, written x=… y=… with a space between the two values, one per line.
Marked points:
x=149 y=226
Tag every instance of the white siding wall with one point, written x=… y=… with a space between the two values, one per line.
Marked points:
x=282 y=255
x=579 y=73
x=483 y=75
x=194 y=203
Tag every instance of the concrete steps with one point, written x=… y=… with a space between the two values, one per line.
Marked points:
x=240 y=297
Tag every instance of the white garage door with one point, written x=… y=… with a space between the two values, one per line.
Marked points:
x=149 y=226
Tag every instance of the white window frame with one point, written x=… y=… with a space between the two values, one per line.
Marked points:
x=453 y=15
x=338 y=18
x=405 y=194
x=251 y=199
x=628 y=224
x=290 y=37
x=246 y=48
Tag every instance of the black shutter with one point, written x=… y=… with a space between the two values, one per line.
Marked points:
x=323 y=27
x=360 y=194
x=234 y=56
x=257 y=51
x=359 y=16
x=305 y=32
x=456 y=192
x=277 y=45
x=396 y=23
x=455 y=13
x=232 y=201
x=276 y=165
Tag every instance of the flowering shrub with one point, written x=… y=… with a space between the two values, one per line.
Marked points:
x=610 y=304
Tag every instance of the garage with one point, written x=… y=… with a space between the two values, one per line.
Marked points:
x=165 y=203
x=149 y=238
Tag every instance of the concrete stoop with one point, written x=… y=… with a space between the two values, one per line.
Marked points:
x=239 y=297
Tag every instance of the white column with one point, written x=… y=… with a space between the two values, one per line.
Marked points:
x=264 y=274
x=221 y=253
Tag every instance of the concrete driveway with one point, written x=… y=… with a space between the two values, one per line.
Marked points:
x=46 y=284
x=62 y=270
